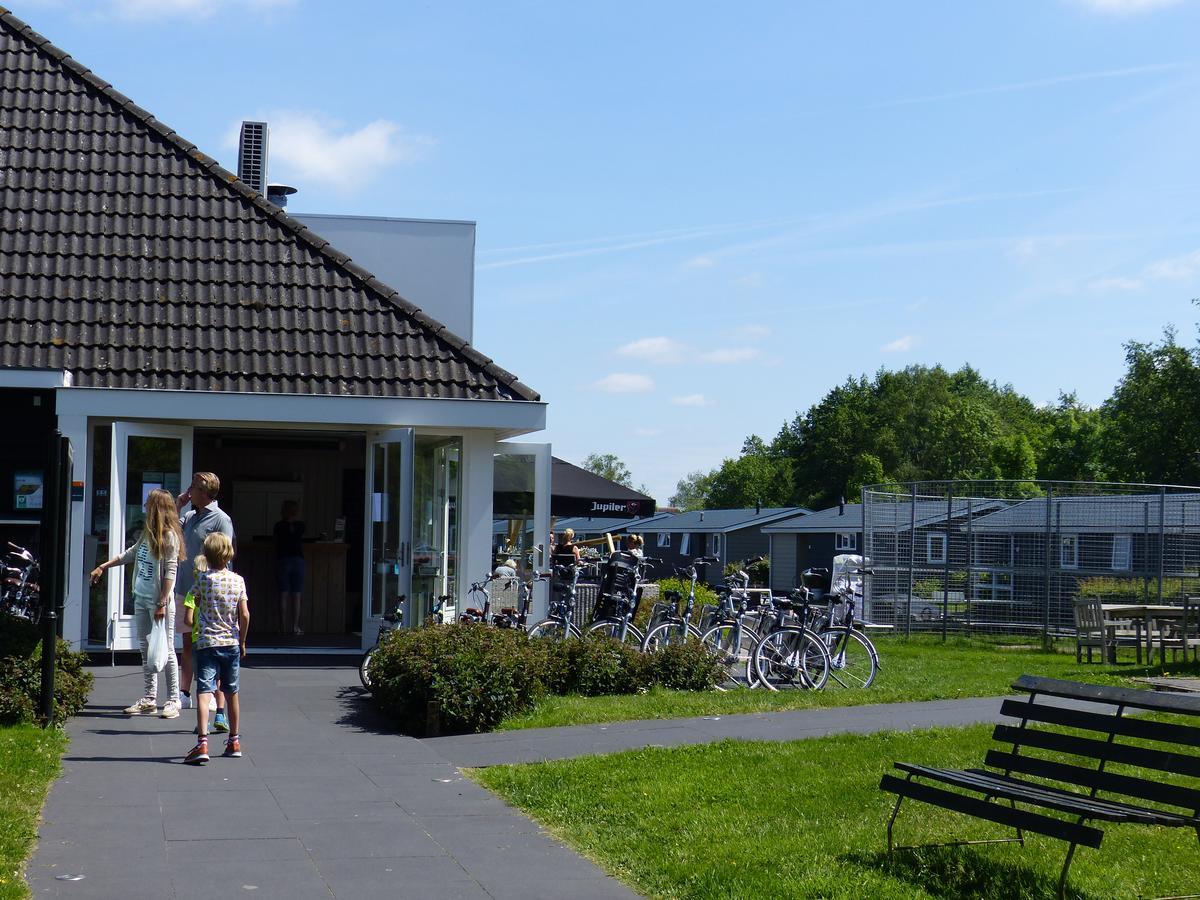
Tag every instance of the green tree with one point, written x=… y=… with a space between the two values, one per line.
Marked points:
x=867 y=469
x=691 y=491
x=1073 y=447
x=608 y=465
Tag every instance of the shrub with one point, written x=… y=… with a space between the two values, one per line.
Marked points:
x=704 y=595
x=760 y=572
x=477 y=676
x=596 y=665
x=21 y=675
x=685 y=667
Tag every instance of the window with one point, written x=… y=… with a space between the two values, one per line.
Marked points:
x=1068 y=551
x=716 y=545
x=935 y=545
x=685 y=545
x=664 y=539
x=845 y=540
x=1122 y=557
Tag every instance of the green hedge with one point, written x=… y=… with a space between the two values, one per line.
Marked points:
x=21 y=675
x=477 y=676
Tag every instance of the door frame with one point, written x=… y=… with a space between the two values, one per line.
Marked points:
x=542 y=466
x=120 y=632
x=405 y=437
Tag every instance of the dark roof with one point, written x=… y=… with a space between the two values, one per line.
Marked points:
x=576 y=491
x=597 y=525
x=1121 y=514
x=717 y=520
x=821 y=521
x=132 y=260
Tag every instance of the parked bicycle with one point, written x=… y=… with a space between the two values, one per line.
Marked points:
x=518 y=616
x=394 y=621
x=790 y=654
x=20 y=588
x=732 y=632
x=671 y=622
x=480 y=611
x=853 y=659
x=618 y=598
x=559 y=622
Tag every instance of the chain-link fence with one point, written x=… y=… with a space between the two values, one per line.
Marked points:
x=1000 y=556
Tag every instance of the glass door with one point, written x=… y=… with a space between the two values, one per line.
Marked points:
x=521 y=514
x=437 y=485
x=388 y=531
x=144 y=457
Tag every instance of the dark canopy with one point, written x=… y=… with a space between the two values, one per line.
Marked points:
x=573 y=492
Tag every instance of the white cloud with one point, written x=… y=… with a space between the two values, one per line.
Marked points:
x=159 y=10
x=315 y=148
x=729 y=355
x=1175 y=268
x=690 y=400
x=624 y=383
x=654 y=349
x=753 y=332
x=700 y=262
x=900 y=345
x=648 y=432
x=1115 y=284
x=753 y=280
x=1125 y=7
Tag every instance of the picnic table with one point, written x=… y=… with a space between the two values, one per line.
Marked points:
x=1149 y=613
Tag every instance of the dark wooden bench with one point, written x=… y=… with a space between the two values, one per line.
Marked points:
x=1095 y=777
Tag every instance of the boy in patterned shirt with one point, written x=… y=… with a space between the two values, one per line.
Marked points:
x=221 y=619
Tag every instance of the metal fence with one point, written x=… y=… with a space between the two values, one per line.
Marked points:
x=1001 y=556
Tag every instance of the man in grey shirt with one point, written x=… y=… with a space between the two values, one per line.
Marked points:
x=199 y=522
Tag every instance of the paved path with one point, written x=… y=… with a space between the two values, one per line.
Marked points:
x=326 y=802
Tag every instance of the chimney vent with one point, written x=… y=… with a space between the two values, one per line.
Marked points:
x=252 y=155
x=279 y=193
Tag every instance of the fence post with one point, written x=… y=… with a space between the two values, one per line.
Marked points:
x=1049 y=549
x=912 y=553
x=946 y=561
x=969 y=587
x=1162 y=543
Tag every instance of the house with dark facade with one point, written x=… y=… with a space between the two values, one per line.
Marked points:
x=811 y=541
x=168 y=318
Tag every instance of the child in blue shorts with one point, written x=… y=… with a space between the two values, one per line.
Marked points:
x=221 y=620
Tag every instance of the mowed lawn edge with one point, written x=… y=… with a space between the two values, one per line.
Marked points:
x=911 y=669
x=807 y=819
x=30 y=760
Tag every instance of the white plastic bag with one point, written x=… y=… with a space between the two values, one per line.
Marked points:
x=159 y=645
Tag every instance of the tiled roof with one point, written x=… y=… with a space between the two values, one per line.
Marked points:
x=722 y=520
x=132 y=260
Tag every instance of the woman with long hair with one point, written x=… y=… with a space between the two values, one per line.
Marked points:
x=155 y=557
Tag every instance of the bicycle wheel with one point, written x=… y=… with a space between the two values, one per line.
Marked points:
x=363 y=665
x=668 y=633
x=734 y=650
x=791 y=658
x=612 y=628
x=553 y=629
x=853 y=661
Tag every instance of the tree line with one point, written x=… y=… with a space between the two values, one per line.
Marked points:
x=926 y=423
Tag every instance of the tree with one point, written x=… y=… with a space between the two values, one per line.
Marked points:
x=867 y=469
x=1074 y=443
x=760 y=476
x=691 y=491
x=608 y=465
x=1151 y=424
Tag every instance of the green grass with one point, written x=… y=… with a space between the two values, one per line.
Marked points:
x=806 y=819
x=917 y=668
x=29 y=761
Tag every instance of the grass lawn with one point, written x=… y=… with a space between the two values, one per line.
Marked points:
x=917 y=668
x=806 y=819
x=29 y=761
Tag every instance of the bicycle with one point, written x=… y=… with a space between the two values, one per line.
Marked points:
x=730 y=635
x=559 y=622
x=394 y=621
x=853 y=659
x=20 y=590
x=672 y=621
x=790 y=654
x=480 y=613
x=618 y=599
x=517 y=616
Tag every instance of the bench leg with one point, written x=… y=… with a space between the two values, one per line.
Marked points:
x=892 y=820
x=1062 y=882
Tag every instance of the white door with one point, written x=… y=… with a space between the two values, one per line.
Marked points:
x=388 y=529
x=144 y=457
x=522 y=528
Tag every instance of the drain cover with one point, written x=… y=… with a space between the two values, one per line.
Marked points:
x=69 y=877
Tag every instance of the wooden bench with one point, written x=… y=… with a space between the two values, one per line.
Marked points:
x=1097 y=781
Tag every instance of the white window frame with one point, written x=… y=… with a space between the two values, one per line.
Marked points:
x=1122 y=561
x=685 y=544
x=1065 y=541
x=664 y=539
x=845 y=540
x=716 y=545
x=929 y=542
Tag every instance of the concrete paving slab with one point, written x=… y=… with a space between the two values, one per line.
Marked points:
x=281 y=879
x=439 y=877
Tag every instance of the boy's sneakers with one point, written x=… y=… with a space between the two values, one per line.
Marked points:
x=145 y=706
x=170 y=710
x=198 y=755
x=185 y=700
x=233 y=746
x=221 y=722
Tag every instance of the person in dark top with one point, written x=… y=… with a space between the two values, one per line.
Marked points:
x=289 y=554
x=566 y=547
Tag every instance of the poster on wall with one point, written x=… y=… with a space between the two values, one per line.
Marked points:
x=27 y=490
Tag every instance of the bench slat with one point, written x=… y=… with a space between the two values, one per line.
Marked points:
x=1126 y=785
x=1158 y=701
x=1162 y=760
x=1103 y=722
x=994 y=812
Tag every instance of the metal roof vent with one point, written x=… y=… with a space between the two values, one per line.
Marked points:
x=278 y=194
x=252 y=155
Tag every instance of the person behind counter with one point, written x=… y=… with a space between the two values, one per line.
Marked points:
x=289 y=556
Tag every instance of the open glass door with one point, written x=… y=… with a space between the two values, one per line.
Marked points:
x=388 y=530
x=144 y=457
x=521 y=514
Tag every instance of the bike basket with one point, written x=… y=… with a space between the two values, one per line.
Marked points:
x=660 y=612
x=816 y=581
x=709 y=616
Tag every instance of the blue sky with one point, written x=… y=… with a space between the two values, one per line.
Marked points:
x=694 y=219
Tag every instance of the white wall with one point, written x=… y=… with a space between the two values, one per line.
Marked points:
x=430 y=262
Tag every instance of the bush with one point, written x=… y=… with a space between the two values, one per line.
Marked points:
x=685 y=667
x=21 y=675
x=477 y=676
x=760 y=572
x=595 y=665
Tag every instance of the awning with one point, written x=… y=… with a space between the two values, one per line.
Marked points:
x=573 y=492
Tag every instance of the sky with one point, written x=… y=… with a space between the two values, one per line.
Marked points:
x=695 y=219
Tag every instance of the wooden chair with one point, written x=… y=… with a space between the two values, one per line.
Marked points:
x=1092 y=631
